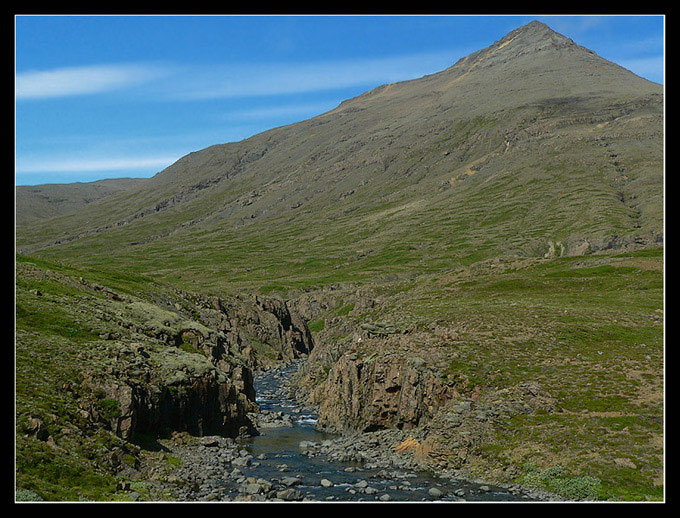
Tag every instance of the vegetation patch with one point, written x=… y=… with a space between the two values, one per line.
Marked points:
x=316 y=326
x=557 y=480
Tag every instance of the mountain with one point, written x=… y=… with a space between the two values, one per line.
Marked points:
x=531 y=146
x=50 y=200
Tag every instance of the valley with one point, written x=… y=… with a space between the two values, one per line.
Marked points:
x=445 y=289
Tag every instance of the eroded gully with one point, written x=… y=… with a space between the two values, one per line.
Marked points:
x=291 y=460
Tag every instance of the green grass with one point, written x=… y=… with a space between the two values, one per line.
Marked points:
x=52 y=321
x=587 y=330
x=556 y=480
x=344 y=310
x=61 y=360
x=317 y=325
x=189 y=348
x=55 y=475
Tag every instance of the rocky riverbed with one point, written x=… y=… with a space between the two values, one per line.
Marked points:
x=291 y=461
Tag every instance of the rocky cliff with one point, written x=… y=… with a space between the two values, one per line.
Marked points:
x=262 y=330
x=149 y=396
x=108 y=360
x=374 y=393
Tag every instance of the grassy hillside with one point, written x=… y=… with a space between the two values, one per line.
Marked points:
x=561 y=358
x=36 y=202
x=470 y=163
x=90 y=346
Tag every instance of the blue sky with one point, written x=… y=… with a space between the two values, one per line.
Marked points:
x=125 y=96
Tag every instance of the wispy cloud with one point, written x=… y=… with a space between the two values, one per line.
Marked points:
x=93 y=164
x=65 y=82
x=55 y=157
x=575 y=25
x=182 y=82
x=281 y=111
x=640 y=46
x=269 y=79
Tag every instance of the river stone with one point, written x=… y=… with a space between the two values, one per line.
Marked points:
x=435 y=493
x=291 y=481
x=253 y=489
x=326 y=483
x=289 y=495
x=209 y=442
x=241 y=461
x=385 y=498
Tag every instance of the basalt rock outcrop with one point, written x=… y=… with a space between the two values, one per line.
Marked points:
x=207 y=404
x=261 y=329
x=367 y=394
x=168 y=359
x=210 y=391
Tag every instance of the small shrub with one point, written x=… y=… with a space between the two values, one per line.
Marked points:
x=109 y=408
x=557 y=480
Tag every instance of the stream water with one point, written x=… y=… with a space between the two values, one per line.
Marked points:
x=277 y=455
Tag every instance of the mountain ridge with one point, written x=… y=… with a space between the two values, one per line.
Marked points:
x=54 y=199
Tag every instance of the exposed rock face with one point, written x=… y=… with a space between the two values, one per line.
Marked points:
x=251 y=323
x=378 y=393
x=171 y=360
x=207 y=405
x=200 y=397
x=454 y=436
x=292 y=331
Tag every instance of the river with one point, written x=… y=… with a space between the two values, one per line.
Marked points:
x=278 y=458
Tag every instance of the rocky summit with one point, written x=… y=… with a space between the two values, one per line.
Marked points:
x=449 y=288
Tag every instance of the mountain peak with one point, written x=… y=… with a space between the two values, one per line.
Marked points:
x=531 y=38
x=534 y=36
x=535 y=27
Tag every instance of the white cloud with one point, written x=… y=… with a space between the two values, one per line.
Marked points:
x=63 y=82
x=216 y=81
x=269 y=79
x=94 y=164
x=290 y=110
